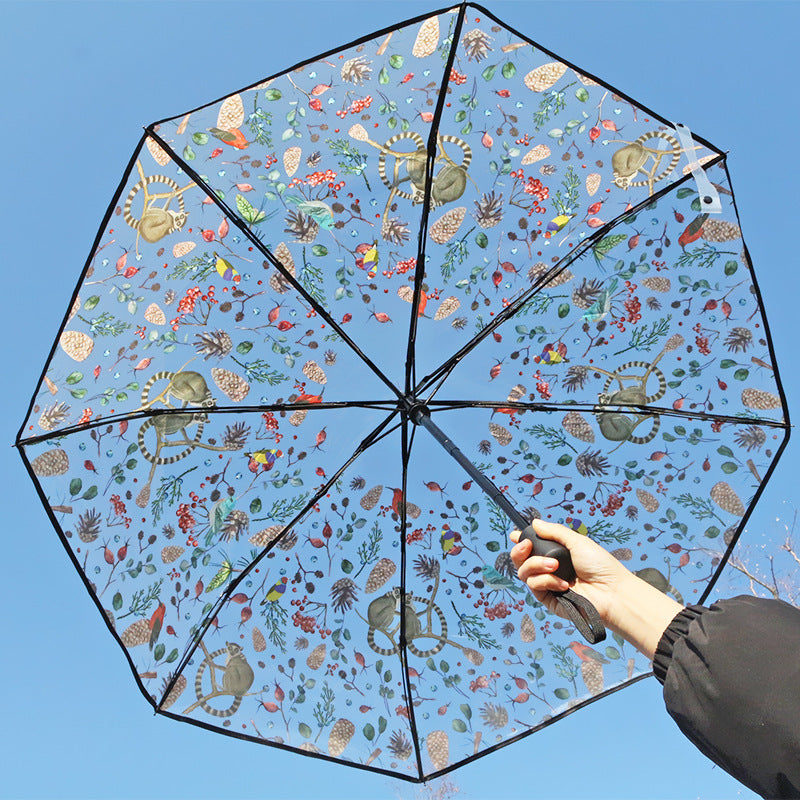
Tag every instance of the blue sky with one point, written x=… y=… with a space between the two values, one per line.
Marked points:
x=80 y=81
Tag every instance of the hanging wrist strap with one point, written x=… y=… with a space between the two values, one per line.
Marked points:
x=583 y=616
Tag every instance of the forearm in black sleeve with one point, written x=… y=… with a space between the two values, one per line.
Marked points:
x=731 y=676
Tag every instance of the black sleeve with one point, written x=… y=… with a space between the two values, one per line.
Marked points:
x=731 y=676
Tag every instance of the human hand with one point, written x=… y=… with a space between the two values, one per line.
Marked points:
x=626 y=604
x=598 y=573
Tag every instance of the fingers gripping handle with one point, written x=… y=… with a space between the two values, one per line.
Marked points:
x=579 y=610
x=550 y=549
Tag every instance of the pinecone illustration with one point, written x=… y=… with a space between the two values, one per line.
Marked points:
x=738 y=339
x=356 y=70
x=540 y=268
x=53 y=462
x=489 y=210
x=502 y=435
x=234 y=386
x=172 y=552
x=316 y=658
x=77 y=345
x=752 y=437
x=448 y=306
x=330 y=358
x=592 y=183
x=53 y=416
x=88 y=528
x=538 y=153
x=720 y=230
x=213 y=344
x=575 y=425
x=379 y=574
x=527 y=629
x=266 y=536
x=174 y=693
x=542 y=78
x=154 y=315
x=438 y=745
x=314 y=372
x=727 y=499
x=394 y=230
x=427 y=38
x=446 y=227
x=657 y=284
x=649 y=501
x=259 y=642
x=343 y=593
x=592 y=674
x=340 y=736
x=760 y=400
x=136 y=633
x=236 y=524
x=399 y=745
x=302 y=227
x=494 y=716
x=297 y=417
x=476 y=44
x=370 y=499
x=291 y=160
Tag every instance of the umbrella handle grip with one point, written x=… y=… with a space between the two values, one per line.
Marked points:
x=550 y=549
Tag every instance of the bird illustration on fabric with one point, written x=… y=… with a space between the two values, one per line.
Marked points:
x=577 y=525
x=226 y=270
x=552 y=354
x=320 y=212
x=368 y=257
x=262 y=460
x=156 y=623
x=497 y=582
x=449 y=540
x=556 y=224
x=276 y=592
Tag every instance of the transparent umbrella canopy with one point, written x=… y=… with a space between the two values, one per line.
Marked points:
x=439 y=228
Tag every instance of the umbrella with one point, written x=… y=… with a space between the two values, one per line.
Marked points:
x=288 y=279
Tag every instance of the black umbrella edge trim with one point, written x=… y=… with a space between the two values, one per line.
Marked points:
x=593 y=77
x=444 y=369
x=391 y=28
x=398 y=775
x=370 y=439
x=433 y=148
x=237 y=221
x=784 y=404
x=748 y=512
x=92 y=254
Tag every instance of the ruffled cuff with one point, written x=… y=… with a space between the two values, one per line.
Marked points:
x=677 y=629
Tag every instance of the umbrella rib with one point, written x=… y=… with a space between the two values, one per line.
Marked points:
x=376 y=405
x=403 y=648
x=451 y=405
x=238 y=222
x=433 y=146
x=509 y=311
x=374 y=436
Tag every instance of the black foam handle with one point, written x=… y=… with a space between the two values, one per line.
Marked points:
x=550 y=549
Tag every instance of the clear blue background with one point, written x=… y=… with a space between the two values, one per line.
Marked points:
x=79 y=80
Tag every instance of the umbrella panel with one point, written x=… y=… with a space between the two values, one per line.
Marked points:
x=159 y=544
x=690 y=309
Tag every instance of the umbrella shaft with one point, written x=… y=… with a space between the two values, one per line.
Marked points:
x=421 y=416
